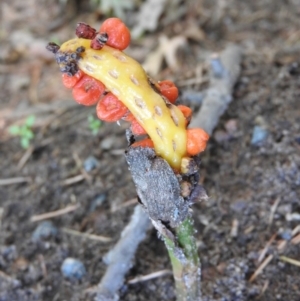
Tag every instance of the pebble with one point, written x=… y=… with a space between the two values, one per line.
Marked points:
x=73 y=269
x=239 y=206
x=286 y=234
x=98 y=201
x=9 y=252
x=108 y=142
x=90 y=163
x=292 y=217
x=259 y=135
x=44 y=231
x=221 y=136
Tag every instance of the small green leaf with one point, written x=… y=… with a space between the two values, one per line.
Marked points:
x=28 y=134
x=30 y=120
x=14 y=130
x=24 y=142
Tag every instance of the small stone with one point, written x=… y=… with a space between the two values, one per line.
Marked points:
x=108 y=142
x=286 y=234
x=44 y=231
x=9 y=252
x=292 y=217
x=239 y=206
x=231 y=126
x=73 y=269
x=98 y=201
x=90 y=163
x=259 y=135
x=221 y=136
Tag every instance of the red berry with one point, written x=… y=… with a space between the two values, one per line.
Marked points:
x=144 y=143
x=70 y=81
x=118 y=33
x=136 y=128
x=110 y=108
x=88 y=90
x=169 y=90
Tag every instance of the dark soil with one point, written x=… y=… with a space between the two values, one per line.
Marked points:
x=254 y=189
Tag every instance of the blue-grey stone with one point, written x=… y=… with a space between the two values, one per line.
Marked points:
x=73 y=269
x=90 y=163
x=44 y=231
x=286 y=234
x=259 y=135
x=98 y=201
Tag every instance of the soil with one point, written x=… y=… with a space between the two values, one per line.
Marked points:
x=254 y=190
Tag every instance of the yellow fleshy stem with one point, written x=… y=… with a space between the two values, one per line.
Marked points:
x=128 y=81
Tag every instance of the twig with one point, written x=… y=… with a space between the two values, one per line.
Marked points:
x=25 y=157
x=296 y=230
x=40 y=217
x=296 y=240
x=17 y=180
x=265 y=249
x=73 y=180
x=234 y=228
x=79 y=164
x=124 y=205
x=30 y=151
x=218 y=95
x=290 y=260
x=119 y=259
x=8 y=278
x=192 y=81
x=273 y=210
x=87 y=235
x=150 y=276
x=43 y=265
x=261 y=267
x=264 y=288
x=37 y=109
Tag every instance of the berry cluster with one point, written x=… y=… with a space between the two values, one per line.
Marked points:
x=112 y=104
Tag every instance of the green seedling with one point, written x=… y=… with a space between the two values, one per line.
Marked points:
x=94 y=124
x=24 y=131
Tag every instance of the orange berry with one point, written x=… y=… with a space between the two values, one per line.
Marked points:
x=110 y=108
x=118 y=33
x=128 y=117
x=144 y=143
x=88 y=90
x=186 y=111
x=196 y=141
x=169 y=90
x=70 y=81
x=136 y=128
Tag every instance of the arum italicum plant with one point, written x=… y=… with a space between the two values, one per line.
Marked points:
x=163 y=155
